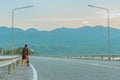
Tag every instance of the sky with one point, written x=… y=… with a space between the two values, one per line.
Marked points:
x=52 y=14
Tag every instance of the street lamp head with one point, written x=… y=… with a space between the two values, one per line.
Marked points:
x=90 y=6
x=23 y=7
x=99 y=7
x=29 y=6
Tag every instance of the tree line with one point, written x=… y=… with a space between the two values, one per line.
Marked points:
x=17 y=51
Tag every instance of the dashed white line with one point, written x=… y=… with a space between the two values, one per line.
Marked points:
x=34 y=72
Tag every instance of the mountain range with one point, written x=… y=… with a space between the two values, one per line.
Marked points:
x=63 y=41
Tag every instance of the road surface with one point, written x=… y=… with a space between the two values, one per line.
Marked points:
x=75 y=69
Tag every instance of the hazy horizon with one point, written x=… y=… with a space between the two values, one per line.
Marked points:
x=60 y=27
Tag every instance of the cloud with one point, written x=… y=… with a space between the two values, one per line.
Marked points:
x=84 y=22
x=112 y=14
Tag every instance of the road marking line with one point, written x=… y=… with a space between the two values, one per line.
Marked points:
x=34 y=72
x=96 y=64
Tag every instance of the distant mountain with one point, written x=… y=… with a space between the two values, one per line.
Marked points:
x=3 y=28
x=32 y=30
x=63 y=41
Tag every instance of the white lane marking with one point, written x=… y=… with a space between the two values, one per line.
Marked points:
x=34 y=72
x=95 y=64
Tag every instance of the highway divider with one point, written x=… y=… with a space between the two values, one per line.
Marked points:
x=114 y=57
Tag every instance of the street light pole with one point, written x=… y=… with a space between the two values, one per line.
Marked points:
x=107 y=25
x=13 y=12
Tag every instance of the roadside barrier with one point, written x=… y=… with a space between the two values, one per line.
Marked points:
x=10 y=61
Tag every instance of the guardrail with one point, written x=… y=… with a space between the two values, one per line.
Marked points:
x=97 y=57
x=10 y=61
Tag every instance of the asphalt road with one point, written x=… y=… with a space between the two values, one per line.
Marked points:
x=75 y=69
